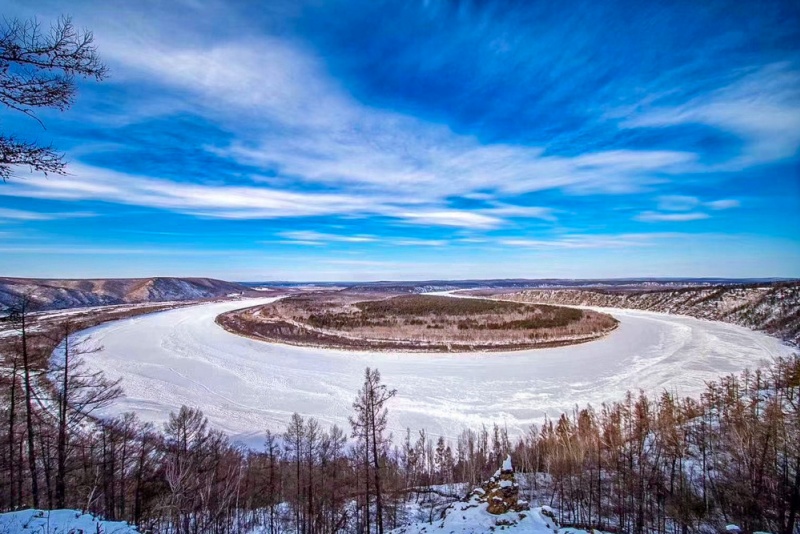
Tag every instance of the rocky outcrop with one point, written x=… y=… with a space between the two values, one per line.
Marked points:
x=494 y=506
x=772 y=308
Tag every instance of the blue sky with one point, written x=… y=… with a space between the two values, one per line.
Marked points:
x=292 y=140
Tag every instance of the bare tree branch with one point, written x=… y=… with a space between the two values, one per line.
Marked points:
x=38 y=70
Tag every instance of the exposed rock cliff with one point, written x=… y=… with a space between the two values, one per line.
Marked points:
x=773 y=308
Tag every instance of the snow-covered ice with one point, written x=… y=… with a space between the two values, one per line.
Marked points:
x=246 y=386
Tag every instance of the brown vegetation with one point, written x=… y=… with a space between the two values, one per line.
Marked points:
x=416 y=323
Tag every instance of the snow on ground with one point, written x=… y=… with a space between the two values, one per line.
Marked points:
x=495 y=505
x=59 y=522
x=472 y=518
x=246 y=386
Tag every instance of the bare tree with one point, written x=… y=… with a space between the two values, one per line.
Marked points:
x=79 y=393
x=38 y=70
x=20 y=317
x=369 y=424
x=293 y=439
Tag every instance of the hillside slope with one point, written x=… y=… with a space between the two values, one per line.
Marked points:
x=772 y=308
x=59 y=294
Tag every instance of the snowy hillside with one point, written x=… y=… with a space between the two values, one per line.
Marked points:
x=60 y=294
x=59 y=522
x=773 y=308
x=495 y=506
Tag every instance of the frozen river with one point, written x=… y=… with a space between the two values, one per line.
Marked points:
x=245 y=386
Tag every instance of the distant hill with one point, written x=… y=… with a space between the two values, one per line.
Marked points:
x=773 y=308
x=59 y=294
x=610 y=284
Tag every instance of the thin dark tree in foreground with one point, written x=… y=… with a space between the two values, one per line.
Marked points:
x=79 y=393
x=20 y=318
x=369 y=424
x=38 y=70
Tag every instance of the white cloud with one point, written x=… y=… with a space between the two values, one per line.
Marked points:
x=762 y=107
x=682 y=208
x=589 y=241
x=528 y=212
x=677 y=203
x=411 y=242
x=293 y=118
x=654 y=216
x=302 y=123
x=723 y=204
x=234 y=202
x=22 y=215
x=317 y=238
x=456 y=218
x=81 y=250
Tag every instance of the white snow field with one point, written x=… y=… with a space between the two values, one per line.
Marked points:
x=246 y=386
x=59 y=522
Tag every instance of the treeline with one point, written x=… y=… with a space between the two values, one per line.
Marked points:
x=432 y=304
x=677 y=465
x=660 y=465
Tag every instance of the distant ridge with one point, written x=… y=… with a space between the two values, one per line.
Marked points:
x=773 y=308
x=621 y=284
x=53 y=294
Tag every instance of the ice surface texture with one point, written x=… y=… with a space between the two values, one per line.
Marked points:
x=246 y=386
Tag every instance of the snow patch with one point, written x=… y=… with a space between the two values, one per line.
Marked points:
x=59 y=522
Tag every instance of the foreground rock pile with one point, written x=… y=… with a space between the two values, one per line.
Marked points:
x=496 y=506
x=501 y=492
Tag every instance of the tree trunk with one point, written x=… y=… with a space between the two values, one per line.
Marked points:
x=376 y=460
x=29 y=415
x=11 y=433
x=62 y=431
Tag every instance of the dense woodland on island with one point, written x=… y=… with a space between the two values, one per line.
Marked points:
x=663 y=464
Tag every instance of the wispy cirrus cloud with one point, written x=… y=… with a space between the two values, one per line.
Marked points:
x=415 y=242
x=81 y=250
x=762 y=107
x=24 y=215
x=682 y=208
x=723 y=204
x=304 y=126
x=319 y=238
x=591 y=241
x=677 y=202
x=654 y=216
x=238 y=202
x=456 y=218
